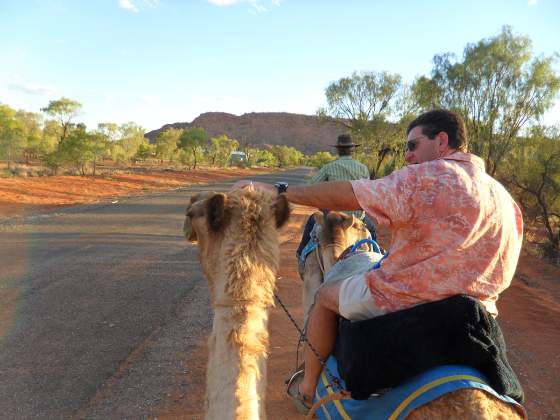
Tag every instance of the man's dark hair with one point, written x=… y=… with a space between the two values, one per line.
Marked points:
x=344 y=151
x=438 y=120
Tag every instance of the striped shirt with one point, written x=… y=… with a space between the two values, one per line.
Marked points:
x=342 y=169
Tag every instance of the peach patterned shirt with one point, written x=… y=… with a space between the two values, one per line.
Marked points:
x=456 y=230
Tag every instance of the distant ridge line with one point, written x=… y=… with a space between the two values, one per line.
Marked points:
x=307 y=133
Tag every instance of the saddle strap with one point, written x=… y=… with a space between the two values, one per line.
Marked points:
x=337 y=396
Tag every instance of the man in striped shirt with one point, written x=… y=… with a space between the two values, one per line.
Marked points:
x=342 y=169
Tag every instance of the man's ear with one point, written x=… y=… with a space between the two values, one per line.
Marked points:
x=443 y=139
x=216 y=212
x=281 y=211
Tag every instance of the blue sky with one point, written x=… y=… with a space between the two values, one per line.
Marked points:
x=162 y=61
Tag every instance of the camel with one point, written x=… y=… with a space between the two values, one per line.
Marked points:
x=334 y=233
x=237 y=236
x=337 y=234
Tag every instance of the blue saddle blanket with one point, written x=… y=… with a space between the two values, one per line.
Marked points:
x=397 y=403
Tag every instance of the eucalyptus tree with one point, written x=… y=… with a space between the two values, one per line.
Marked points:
x=166 y=143
x=12 y=136
x=192 y=141
x=534 y=175
x=63 y=110
x=498 y=86
x=30 y=123
x=364 y=103
x=220 y=149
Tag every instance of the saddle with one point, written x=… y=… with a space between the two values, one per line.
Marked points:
x=385 y=351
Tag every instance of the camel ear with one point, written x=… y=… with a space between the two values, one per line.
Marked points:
x=216 y=211
x=281 y=211
x=190 y=234
x=347 y=221
x=195 y=198
x=319 y=218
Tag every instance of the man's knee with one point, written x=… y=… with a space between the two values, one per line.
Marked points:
x=327 y=296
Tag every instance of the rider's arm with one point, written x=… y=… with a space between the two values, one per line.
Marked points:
x=335 y=195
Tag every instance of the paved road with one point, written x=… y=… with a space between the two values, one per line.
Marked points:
x=98 y=306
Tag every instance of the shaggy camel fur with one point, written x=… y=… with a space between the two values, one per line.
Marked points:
x=337 y=233
x=238 y=246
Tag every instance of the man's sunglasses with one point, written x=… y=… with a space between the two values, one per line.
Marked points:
x=411 y=145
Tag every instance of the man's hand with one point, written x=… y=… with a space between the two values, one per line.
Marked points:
x=261 y=186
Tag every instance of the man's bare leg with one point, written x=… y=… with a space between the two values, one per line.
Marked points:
x=321 y=333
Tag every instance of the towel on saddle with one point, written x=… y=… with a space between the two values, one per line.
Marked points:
x=383 y=352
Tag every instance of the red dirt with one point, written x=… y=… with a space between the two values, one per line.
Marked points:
x=529 y=309
x=19 y=196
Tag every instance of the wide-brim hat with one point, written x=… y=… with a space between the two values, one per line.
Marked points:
x=344 y=141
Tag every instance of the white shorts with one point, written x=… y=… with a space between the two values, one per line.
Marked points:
x=355 y=301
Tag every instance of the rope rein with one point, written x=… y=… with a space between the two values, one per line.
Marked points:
x=303 y=337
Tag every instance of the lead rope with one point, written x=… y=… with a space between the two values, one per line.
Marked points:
x=303 y=337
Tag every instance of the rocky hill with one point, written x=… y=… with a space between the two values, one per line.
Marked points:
x=307 y=133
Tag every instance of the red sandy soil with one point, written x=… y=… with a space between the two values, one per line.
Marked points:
x=19 y=196
x=529 y=309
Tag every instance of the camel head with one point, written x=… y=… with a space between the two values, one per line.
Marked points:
x=338 y=231
x=235 y=232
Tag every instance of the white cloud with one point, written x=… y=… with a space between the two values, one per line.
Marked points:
x=532 y=2
x=33 y=89
x=128 y=5
x=255 y=6
x=152 y=3
x=225 y=2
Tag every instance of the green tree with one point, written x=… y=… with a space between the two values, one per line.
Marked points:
x=319 y=159
x=12 y=135
x=63 y=110
x=260 y=157
x=363 y=103
x=49 y=137
x=358 y=99
x=110 y=130
x=166 y=143
x=96 y=148
x=497 y=87
x=220 y=149
x=145 y=150
x=73 y=150
x=123 y=140
x=534 y=176
x=192 y=140
x=287 y=156
x=82 y=148
x=30 y=124
x=131 y=138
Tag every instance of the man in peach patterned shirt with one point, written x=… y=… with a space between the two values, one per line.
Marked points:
x=456 y=230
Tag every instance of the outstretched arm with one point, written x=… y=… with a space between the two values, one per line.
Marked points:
x=335 y=195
